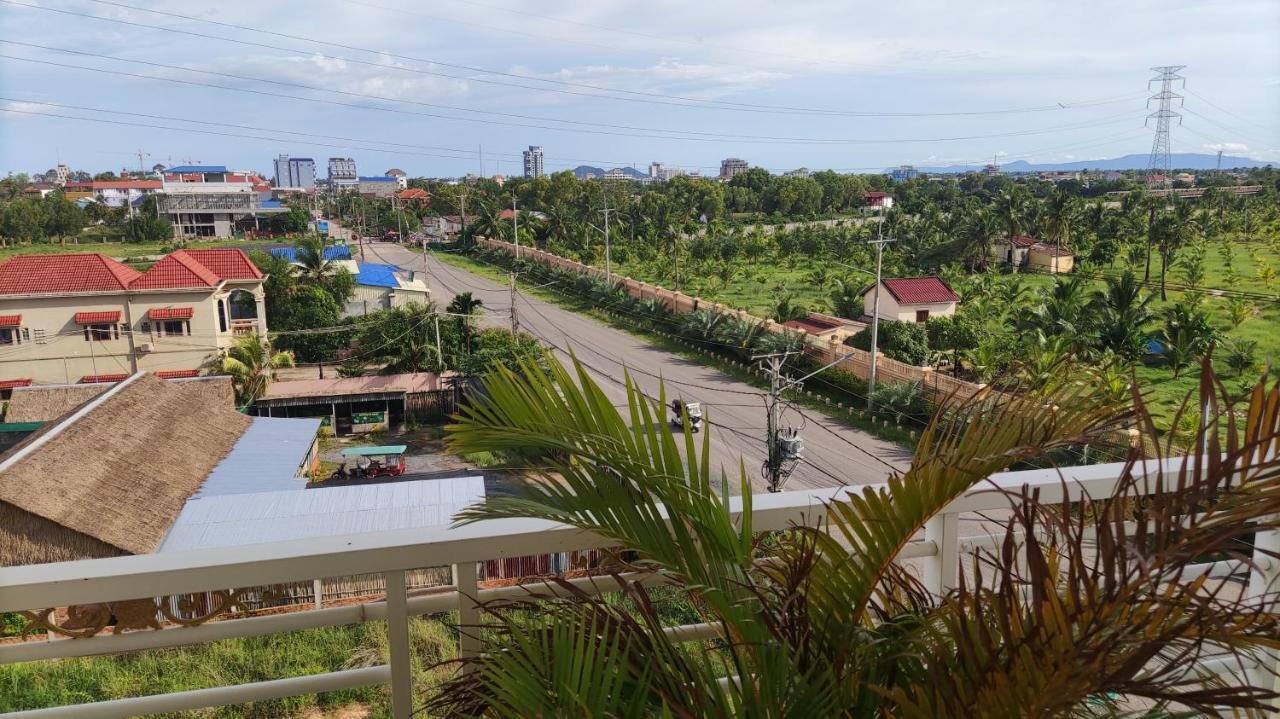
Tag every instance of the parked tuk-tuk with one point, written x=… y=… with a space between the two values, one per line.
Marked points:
x=361 y=462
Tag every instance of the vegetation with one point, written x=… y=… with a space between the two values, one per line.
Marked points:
x=252 y=365
x=1058 y=624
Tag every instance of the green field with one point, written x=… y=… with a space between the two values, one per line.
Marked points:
x=756 y=286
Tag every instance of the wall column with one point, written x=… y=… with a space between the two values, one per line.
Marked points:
x=260 y=308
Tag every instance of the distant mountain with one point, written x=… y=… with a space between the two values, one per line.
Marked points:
x=1179 y=161
x=581 y=172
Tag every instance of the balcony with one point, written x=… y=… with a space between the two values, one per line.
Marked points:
x=939 y=553
x=244 y=328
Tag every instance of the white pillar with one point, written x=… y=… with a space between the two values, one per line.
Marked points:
x=398 y=640
x=464 y=580
x=260 y=307
x=942 y=570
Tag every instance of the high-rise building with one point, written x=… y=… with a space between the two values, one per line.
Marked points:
x=903 y=173
x=533 y=162
x=731 y=166
x=297 y=172
x=342 y=173
x=656 y=169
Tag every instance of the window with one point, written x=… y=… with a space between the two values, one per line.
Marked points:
x=101 y=332
x=175 y=328
x=10 y=336
x=922 y=315
x=40 y=337
x=145 y=327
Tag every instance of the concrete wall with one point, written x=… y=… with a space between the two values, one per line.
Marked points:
x=54 y=349
x=824 y=350
x=1047 y=262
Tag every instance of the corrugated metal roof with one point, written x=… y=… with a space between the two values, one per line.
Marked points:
x=374 y=275
x=197 y=168
x=263 y=517
x=267 y=457
x=332 y=252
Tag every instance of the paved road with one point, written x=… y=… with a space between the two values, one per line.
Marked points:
x=835 y=453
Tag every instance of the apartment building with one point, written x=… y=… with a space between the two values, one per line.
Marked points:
x=295 y=172
x=86 y=317
x=533 y=162
x=342 y=173
x=731 y=166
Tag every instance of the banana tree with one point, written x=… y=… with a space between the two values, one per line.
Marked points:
x=822 y=620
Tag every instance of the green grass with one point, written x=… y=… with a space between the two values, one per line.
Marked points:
x=756 y=287
x=234 y=661
x=120 y=250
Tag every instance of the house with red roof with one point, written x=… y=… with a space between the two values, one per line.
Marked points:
x=1026 y=252
x=911 y=299
x=77 y=318
x=879 y=200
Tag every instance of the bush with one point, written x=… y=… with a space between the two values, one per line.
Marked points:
x=903 y=341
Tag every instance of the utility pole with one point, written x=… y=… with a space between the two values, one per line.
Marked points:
x=515 y=224
x=464 y=213
x=1166 y=75
x=608 y=262
x=783 y=446
x=515 y=318
x=439 y=351
x=880 y=241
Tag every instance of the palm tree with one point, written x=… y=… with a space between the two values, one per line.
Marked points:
x=312 y=262
x=820 y=619
x=252 y=366
x=846 y=299
x=976 y=234
x=1010 y=208
x=1187 y=335
x=1061 y=212
x=1063 y=311
x=466 y=305
x=1122 y=312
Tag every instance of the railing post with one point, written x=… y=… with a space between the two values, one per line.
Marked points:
x=941 y=571
x=465 y=581
x=398 y=640
x=1264 y=580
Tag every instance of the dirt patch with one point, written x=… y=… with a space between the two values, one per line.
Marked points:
x=348 y=711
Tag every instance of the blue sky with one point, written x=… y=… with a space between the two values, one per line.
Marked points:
x=782 y=84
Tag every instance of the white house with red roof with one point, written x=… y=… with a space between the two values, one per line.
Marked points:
x=912 y=299
x=86 y=317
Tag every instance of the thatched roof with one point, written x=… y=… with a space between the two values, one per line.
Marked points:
x=113 y=474
x=45 y=403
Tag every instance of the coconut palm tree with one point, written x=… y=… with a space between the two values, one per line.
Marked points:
x=466 y=305
x=310 y=255
x=252 y=366
x=788 y=309
x=820 y=619
x=1010 y=208
x=1123 y=315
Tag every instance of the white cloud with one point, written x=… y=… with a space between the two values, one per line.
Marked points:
x=1226 y=146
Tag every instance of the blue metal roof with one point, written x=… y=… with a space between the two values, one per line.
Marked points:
x=197 y=168
x=267 y=457
x=377 y=275
x=269 y=204
x=332 y=253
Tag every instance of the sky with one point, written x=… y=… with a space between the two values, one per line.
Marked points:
x=449 y=87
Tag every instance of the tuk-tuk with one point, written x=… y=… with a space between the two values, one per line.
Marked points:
x=382 y=461
x=680 y=408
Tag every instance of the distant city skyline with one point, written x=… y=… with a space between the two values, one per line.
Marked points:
x=815 y=84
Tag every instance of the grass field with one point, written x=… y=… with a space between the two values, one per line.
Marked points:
x=121 y=250
x=757 y=286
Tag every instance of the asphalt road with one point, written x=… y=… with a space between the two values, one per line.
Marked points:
x=835 y=453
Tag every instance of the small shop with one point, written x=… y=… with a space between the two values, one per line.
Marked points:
x=356 y=405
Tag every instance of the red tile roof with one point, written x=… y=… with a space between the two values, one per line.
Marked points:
x=10 y=320
x=11 y=383
x=812 y=325
x=178 y=373
x=920 y=290
x=228 y=263
x=76 y=272
x=127 y=185
x=99 y=378
x=1023 y=240
x=97 y=318
x=176 y=270
x=171 y=313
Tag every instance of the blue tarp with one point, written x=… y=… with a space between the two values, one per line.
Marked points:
x=1154 y=347
x=187 y=169
x=331 y=253
x=377 y=275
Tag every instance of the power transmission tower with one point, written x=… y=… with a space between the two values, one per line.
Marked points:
x=783 y=445
x=1160 y=163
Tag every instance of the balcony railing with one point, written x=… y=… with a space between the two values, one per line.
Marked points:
x=243 y=328
x=392 y=554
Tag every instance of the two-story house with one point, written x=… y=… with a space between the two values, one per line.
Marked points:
x=89 y=318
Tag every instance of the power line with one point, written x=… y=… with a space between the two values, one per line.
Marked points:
x=647 y=97
x=584 y=126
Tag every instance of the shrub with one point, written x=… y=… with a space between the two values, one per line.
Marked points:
x=903 y=341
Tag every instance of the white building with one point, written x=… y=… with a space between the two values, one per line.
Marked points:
x=731 y=166
x=911 y=299
x=295 y=172
x=533 y=162
x=402 y=180
x=342 y=173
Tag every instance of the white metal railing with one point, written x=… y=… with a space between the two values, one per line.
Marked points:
x=392 y=553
